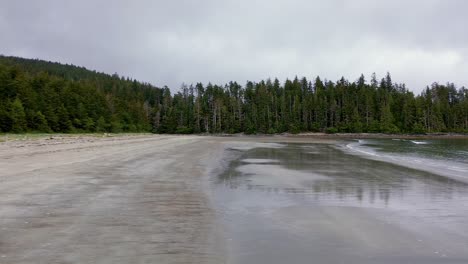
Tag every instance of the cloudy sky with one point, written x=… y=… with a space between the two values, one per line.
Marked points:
x=182 y=41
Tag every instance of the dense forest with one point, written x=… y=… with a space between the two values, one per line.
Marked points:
x=41 y=96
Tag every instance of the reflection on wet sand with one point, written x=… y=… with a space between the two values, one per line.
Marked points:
x=266 y=185
x=335 y=176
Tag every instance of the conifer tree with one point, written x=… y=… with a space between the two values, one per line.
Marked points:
x=18 y=117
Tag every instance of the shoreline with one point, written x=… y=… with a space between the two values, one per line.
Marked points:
x=443 y=168
x=381 y=135
x=356 y=136
x=32 y=137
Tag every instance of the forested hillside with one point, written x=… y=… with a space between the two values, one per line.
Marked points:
x=42 y=96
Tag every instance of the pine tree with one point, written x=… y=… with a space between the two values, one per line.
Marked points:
x=18 y=117
x=101 y=125
x=64 y=122
x=40 y=123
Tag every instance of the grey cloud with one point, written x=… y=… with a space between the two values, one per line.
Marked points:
x=171 y=42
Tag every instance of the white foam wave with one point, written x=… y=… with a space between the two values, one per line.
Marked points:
x=419 y=142
x=356 y=146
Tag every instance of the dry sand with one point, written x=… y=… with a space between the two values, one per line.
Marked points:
x=137 y=199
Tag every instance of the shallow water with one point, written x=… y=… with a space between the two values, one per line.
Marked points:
x=455 y=150
x=447 y=157
x=315 y=203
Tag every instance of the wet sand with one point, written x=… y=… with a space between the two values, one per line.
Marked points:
x=312 y=203
x=203 y=199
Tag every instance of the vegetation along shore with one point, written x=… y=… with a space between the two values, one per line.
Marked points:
x=43 y=96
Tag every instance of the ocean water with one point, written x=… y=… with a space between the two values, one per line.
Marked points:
x=365 y=201
x=448 y=157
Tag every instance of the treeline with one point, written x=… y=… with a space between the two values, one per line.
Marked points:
x=302 y=105
x=42 y=96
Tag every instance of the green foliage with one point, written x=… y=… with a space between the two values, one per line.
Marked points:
x=101 y=125
x=6 y=121
x=42 y=96
x=184 y=130
x=418 y=128
x=40 y=123
x=64 y=122
x=116 y=127
x=271 y=131
x=294 y=129
x=18 y=117
x=250 y=130
x=89 y=124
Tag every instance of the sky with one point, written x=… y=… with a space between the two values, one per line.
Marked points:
x=173 y=42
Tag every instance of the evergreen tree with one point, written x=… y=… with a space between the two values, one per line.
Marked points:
x=18 y=117
x=42 y=96
x=101 y=125
x=40 y=123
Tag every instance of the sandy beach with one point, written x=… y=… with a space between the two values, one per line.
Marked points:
x=136 y=199
x=150 y=199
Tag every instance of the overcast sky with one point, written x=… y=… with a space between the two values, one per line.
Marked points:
x=181 y=41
